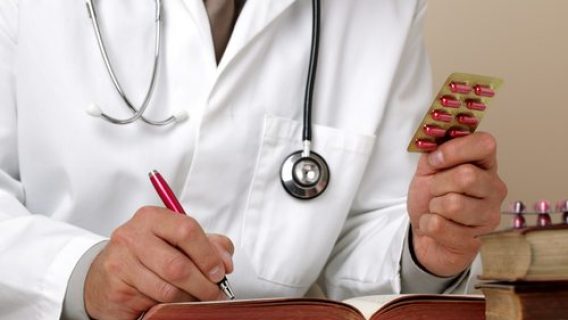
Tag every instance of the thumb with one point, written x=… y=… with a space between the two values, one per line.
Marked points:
x=225 y=249
x=424 y=167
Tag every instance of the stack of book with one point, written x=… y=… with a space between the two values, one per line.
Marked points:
x=527 y=273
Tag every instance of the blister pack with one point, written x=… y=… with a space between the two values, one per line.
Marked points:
x=542 y=210
x=456 y=111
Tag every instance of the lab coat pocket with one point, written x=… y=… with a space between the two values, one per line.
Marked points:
x=289 y=240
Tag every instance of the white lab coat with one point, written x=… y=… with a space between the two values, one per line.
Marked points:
x=68 y=179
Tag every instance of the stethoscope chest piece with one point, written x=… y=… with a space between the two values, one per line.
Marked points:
x=304 y=177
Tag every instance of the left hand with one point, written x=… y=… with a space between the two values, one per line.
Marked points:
x=455 y=196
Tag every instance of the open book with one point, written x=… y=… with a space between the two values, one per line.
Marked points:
x=405 y=307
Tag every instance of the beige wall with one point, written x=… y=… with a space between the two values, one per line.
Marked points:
x=525 y=42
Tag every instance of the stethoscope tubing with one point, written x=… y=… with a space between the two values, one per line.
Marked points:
x=312 y=71
x=138 y=113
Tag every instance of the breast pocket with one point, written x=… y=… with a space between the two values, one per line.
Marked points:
x=289 y=240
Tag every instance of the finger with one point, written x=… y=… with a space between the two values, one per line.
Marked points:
x=466 y=179
x=479 y=148
x=151 y=285
x=107 y=294
x=188 y=235
x=448 y=233
x=176 y=268
x=185 y=233
x=225 y=249
x=223 y=241
x=127 y=303
x=465 y=211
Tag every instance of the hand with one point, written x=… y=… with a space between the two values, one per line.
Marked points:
x=155 y=257
x=455 y=196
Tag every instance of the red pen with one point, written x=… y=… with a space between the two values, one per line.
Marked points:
x=171 y=202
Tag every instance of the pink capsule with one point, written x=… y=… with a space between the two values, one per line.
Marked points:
x=562 y=206
x=484 y=91
x=434 y=131
x=517 y=207
x=450 y=102
x=441 y=115
x=543 y=220
x=475 y=105
x=542 y=206
x=458 y=132
x=467 y=119
x=426 y=145
x=460 y=87
x=519 y=222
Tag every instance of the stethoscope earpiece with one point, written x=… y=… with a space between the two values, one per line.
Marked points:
x=181 y=116
x=94 y=110
x=304 y=177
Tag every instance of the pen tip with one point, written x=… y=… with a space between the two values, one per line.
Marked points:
x=226 y=288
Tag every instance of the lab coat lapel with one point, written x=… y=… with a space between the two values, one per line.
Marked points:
x=255 y=17
x=198 y=13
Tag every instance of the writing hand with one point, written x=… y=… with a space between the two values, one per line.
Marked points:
x=156 y=257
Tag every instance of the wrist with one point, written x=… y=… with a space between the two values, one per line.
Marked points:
x=435 y=259
x=415 y=278
x=412 y=251
x=73 y=304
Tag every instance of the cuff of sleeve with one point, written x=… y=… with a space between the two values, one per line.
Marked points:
x=414 y=279
x=73 y=303
x=60 y=269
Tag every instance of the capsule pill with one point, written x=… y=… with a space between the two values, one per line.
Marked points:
x=460 y=87
x=450 y=102
x=434 y=131
x=458 y=132
x=467 y=119
x=562 y=206
x=542 y=207
x=441 y=115
x=484 y=91
x=518 y=208
x=426 y=145
x=472 y=104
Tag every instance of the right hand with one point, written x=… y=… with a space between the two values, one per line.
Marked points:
x=156 y=257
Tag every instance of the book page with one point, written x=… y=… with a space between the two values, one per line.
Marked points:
x=255 y=309
x=368 y=305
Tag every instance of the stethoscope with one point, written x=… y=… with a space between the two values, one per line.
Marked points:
x=304 y=173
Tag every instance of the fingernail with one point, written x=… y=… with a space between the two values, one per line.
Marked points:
x=227 y=256
x=436 y=158
x=216 y=274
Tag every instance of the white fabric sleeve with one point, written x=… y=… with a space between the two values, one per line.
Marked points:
x=366 y=260
x=37 y=254
x=74 y=303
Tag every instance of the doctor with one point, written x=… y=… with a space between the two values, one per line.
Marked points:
x=69 y=181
